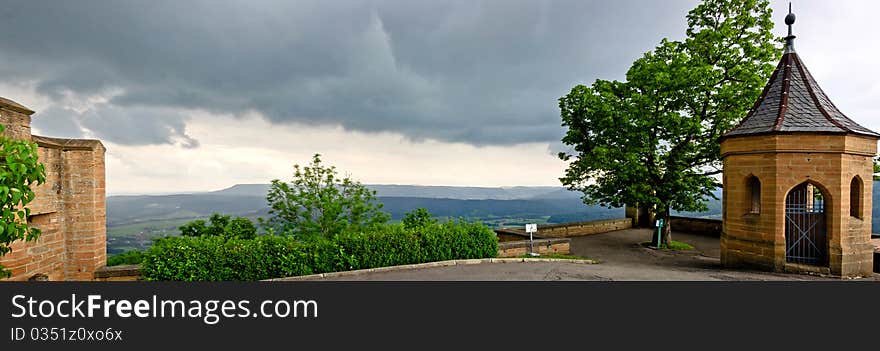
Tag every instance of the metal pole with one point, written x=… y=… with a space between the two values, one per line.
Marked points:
x=531 y=244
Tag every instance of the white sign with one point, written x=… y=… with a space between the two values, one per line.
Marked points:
x=531 y=228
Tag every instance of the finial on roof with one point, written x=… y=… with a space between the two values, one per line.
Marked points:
x=789 y=40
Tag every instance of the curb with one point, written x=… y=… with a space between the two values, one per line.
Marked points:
x=427 y=265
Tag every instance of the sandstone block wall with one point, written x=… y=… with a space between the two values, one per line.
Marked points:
x=782 y=162
x=124 y=273
x=700 y=226
x=541 y=246
x=69 y=208
x=566 y=230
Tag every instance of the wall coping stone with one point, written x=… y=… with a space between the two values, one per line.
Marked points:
x=67 y=144
x=14 y=106
x=118 y=271
x=697 y=219
x=521 y=231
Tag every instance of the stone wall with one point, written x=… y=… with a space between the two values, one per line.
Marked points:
x=642 y=216
x=699 y=226
x=69 y=207
x=566 y=230
x=125 y=273
x=541 y=246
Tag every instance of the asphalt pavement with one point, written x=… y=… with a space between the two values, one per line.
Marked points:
x=620 y=256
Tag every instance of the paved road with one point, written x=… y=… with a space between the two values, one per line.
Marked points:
x=621 y=258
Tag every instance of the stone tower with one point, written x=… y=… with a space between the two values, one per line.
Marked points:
x=797 y=180
x=69 y=207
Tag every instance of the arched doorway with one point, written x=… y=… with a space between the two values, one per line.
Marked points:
x=805 y=229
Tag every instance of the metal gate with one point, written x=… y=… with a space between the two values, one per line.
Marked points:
x=805 y=229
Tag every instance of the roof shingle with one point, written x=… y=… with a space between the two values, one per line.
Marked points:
x=792 y=101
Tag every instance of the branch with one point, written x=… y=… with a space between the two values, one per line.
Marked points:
x=717 y=171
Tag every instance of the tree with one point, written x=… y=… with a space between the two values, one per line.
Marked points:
x=418 y=218
x=19 y=171
x=318 y=202
x=876 y=169
x=221 y=225
x=653 y=139
x=194 y=228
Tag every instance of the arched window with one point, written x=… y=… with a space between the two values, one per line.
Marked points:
x=855 y=197
x=753 y=190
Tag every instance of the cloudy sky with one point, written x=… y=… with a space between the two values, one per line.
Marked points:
x=201 y=95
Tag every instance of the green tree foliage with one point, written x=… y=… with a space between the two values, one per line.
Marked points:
x=220 y=225
x=318 y=203
x=876 y=169
x=653 y=139
x=128 y=257
x=418 y=218
x=241 y=227
x=19 y=171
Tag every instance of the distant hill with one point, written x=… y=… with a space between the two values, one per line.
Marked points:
x=122 y=210
x=244 y=190
x=431 y=191
x=142 y=208
x=526 y=208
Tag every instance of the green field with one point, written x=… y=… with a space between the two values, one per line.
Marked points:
x=139 y=236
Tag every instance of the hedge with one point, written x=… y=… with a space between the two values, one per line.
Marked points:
x=218 y=258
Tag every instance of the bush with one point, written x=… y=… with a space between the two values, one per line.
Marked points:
x=219 y=258
x=390 y=247
x=128 y=257
x=458 y=240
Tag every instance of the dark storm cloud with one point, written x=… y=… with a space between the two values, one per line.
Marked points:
x=122 y=125
x=480 y=72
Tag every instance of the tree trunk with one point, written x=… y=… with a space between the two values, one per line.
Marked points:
x=667 y=228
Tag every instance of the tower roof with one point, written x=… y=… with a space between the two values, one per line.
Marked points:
x=792 y=101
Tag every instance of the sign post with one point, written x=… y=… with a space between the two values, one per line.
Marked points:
x=532 y=228
x=657 y=236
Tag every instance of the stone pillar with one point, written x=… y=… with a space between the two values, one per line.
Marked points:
x=856 y=250
x=632 y=212
x=641 y=215
x=85 y=211
x=16 y=119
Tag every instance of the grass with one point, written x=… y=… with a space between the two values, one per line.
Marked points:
x=672 y=246
x=557 y=256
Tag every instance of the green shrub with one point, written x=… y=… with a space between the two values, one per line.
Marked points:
x=128 y=257
x=390 y=247
x=220 y=258
x=458 y=240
